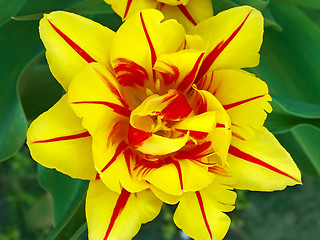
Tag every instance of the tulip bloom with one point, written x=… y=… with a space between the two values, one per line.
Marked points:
x=152 y=114
x=188 y=12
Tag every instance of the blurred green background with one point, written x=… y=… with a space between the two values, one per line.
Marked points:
x=38 y=203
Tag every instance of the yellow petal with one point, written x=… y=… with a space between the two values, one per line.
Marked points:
x=189 y=14
x=56 y=139
x=134 y=57
x=235 y=41
x=244 y=97
x=71 y=42
x=115 y=216
x=261 y=164
x=115 y=165
x=199 y=214
x=174 y=2
x=95 y=97
x=178 y=70
x=126 y=8
x=203 y=101
x=180 y=176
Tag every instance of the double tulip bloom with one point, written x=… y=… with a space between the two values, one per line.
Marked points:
x=152 y=114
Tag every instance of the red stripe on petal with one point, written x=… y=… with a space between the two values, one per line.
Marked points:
x=220 y=125
x=188 y=80
x=187 y=14
x=121 y=203
x=214 y=54
x=198 y=151
x=178 y=167
x=204 y=216
x=121 y=147
x=152 y=51
x=247 y=157
x=194 y=134
x=171 y=76
x=97 y=176
x=111 y=86
x=177 y=109
x=238 y=136
x=115 y=107
x=136 y=136
x=73 y=45
x=127 y=9
x=130 y=73
x=64 y=138
x=235 y=104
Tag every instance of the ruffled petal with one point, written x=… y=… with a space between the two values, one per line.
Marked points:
x=126 y=8
x=220 y=137
x=73 y=41
x=235 y=41
x=133 y=58
x=199 y=214
x=56 y=139
x=114 y=216
x=243 y=96
x=180 y=175
x=178 y=70
x=95 y=97
x=261 y=164
x=189 y=14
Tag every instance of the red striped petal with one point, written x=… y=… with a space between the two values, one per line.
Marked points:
x=204 y=216
x=73 y=45
x=64 y=138
x=247 y=157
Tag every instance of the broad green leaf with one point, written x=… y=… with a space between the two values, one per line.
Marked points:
x=309 y=138
x=258 y=4
x=19 y=42
x=291 y=141
x=298 y=108
x=37 y=88
x=303 y=3
x=90 y=7
x=290 y=60
x=270 y=21
x=9 y=8
x=68 y=201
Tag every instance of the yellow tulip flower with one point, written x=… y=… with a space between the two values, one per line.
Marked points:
x=152 y=114
x=188 y=12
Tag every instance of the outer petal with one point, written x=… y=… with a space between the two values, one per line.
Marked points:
x=244 y=97
x=189 y=14
x=56 y=139
x=235 y=41
x=71 y=42
x=138 y=43
x=95 y=97
x=200 y=215
x=261 y=164
x=126 y=8
x=116 y=216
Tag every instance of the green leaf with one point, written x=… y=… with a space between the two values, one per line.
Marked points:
x=290 y=60
x=258 y=4
x=68 y=200
x=303 y=3
x=308 y=138
x=38 y=90
x=302 y=143
x=298 y=108
x=19 y=42
x=9 y=8
x=90 y=7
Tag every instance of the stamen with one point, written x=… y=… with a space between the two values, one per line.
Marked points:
x=149 y=92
